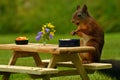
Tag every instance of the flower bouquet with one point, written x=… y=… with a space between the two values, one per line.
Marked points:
x=46 y=33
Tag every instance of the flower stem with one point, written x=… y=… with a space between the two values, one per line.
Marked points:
x=44 y=43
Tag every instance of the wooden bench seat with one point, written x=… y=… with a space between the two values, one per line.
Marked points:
x=90 y=66
x=27 y=70
x=42 y=72
x=37 y=72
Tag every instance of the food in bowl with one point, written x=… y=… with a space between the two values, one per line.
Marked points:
x=21 y=40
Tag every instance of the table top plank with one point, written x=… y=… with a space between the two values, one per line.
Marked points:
x=49 y=48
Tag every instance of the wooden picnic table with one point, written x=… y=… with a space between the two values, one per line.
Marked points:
x=59 y=54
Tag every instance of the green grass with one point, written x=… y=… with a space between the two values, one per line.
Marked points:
x=111 y=51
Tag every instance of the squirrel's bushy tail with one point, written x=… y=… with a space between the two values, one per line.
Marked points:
x=114 y=72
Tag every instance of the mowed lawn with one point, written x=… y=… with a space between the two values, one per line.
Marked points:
x=111 y=51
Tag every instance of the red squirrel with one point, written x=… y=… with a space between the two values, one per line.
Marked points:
x=93 y=35
x=90 y=32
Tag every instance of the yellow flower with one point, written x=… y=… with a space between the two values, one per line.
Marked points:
x=47 y=32
x=44 y=26
x=43 y=29
x=50 y=25
x=52 y=33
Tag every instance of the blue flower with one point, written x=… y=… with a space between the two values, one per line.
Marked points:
x=38 y=37
x=51 y=36
x=47 y=30
x=46 y=33
x=40 y=33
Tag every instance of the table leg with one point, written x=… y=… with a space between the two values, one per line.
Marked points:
x=19 y=54
x=53 y=61
x=38 y=60
x=57 y=58
x=11 y=62
x=13 y=59
x=74 y=57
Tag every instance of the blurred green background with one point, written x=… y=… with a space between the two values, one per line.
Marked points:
x=27 y=16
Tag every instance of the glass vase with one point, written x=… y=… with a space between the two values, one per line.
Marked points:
x=44 y=43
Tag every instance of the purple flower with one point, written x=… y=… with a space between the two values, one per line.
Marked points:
x=38 y=37
x=40 y=33
x=47 y=30
x=51 y=36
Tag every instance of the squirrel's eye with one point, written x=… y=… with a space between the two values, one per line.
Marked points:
x=79 y=15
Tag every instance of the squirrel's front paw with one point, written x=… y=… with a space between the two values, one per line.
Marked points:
x=73 y=33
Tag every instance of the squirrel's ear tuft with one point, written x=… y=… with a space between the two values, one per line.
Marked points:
x=78 y=7
x=84 y=9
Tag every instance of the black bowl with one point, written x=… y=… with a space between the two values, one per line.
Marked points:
x=21 y=42
x=69 y=42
